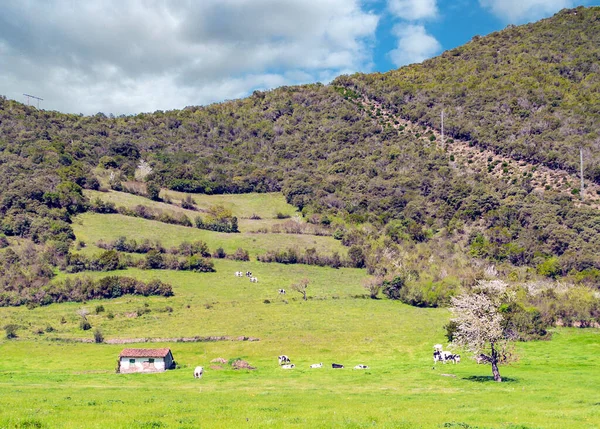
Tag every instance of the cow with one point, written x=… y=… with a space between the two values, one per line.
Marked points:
x=317 y=365
x=239 y=274
x=198 y=372
x=437 y=347
x=288 y=366
x=360 y=366
x=438 y=356
x=253 y=280
x=248 y=273
x=281 y=291
x=454 y=358
x=283 y=359
x=337 y=365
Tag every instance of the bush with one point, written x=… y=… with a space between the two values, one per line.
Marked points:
x=11 y=331
x=84 y=325
x=98 y=337
x=99 y=309
x=240 y=255
x=219 y=253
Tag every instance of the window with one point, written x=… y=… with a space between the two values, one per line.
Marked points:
x=131 y=361
x=150 y=360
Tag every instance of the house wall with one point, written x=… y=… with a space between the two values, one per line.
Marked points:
x=141 y=365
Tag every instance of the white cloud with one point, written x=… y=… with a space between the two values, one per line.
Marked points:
x=518 y=11
x=414 y=45
x=413 y=10
x=144 y=55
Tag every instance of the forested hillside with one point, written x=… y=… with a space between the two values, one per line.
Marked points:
x=530 y=92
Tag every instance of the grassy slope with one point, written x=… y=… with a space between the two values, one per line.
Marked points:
x=91 y=228
x=70 y=385
x=61 y=385
x=266 y=206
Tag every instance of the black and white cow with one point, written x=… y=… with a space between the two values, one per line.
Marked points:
x=438 y=356
x=281 y=291
x=283 y=359
x=239 y=274
x=361 y=367
x=288 y=366
x=337 y=365
x=453 y=358
x=248 y=273
x=253 y=280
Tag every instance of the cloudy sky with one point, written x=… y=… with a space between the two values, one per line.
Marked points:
x=129 y=56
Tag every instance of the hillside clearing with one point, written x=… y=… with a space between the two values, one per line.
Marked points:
x=92 y=227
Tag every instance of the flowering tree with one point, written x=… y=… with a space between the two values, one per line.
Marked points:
x=480 y=326
x=301 y=287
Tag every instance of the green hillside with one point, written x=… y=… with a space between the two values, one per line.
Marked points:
x=530 y=92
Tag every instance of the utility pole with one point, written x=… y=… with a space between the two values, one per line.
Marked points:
x=581 y=171
x=33 y=96
x=443 y=146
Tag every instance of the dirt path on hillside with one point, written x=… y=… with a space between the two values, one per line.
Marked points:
x=472 y=158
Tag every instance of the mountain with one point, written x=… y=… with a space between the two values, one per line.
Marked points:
x=345 y=151
x=530 y=92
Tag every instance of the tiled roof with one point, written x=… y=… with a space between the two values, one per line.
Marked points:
x=142 y=353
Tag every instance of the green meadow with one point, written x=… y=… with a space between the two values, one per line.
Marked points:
x=49 y=379
x=92 y=227
x=254 y=211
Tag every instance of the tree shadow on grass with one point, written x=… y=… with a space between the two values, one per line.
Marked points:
x=488 y=378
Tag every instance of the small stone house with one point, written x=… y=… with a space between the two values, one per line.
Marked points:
x=145 y=360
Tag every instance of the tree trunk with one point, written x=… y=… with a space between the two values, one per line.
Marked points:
x=495 y=371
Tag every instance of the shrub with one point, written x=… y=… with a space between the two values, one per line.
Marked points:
x=240 y=255
x=98 y=337
x=84 y=324
x=99 y=309
x=11 y=331
x=219 y=253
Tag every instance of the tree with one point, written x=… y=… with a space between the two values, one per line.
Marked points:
x=301 y=287
x=373 y=285
x=479 y=323
x=153 y=190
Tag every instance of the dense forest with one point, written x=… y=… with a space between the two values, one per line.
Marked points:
x=529 y=92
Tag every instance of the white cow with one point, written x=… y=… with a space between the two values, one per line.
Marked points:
x=239 y=274
x=317 y=365
x=288 y=366
x=253 y=280
x=438 y=347
x=198 y=372
x=360 y=366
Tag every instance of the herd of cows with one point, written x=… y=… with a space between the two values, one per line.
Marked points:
x=286 y=363
x=255 y=279
x=439 y=355
x=248 y=274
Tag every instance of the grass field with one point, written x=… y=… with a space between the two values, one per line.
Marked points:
x=46 y=383
x=49 y=381
x=92 y=227
x=266 y=206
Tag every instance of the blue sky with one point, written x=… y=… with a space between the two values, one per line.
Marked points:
x=129 y=56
